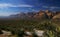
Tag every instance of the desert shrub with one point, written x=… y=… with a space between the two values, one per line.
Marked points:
x=14 y=26
x=1 y=32
x=20 y=33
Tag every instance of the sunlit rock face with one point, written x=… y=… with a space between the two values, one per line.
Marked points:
x=40 y=15
x=6 y=32
x=39 y=33
x=27 y=33
x=47 y=11
x=56 y=16
x=49 y=14
x=44 y=14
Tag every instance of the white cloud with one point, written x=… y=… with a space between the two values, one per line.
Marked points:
x=6 y=5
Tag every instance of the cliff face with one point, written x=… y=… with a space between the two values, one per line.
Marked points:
x=48 y=14
x=40 y=14
x=56 y=16
x=44 y=14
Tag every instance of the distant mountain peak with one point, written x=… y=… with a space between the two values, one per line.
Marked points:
x=37 y=15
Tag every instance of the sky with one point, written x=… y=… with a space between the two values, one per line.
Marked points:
x=9 y=7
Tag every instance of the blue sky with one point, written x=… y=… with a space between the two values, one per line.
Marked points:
x=8 y=7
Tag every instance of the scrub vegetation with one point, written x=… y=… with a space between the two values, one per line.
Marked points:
x=51 y=28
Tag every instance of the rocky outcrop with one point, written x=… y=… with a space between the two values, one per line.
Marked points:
x=40 y=14
x=49 y=14
x=56 y=16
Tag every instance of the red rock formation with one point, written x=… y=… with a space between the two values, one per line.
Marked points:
x=40 y=14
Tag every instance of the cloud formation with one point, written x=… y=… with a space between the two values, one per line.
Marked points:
x=6 y=5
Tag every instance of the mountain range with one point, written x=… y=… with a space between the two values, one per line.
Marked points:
x=35 y=15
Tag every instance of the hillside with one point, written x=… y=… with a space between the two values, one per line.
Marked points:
x=46 y=21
